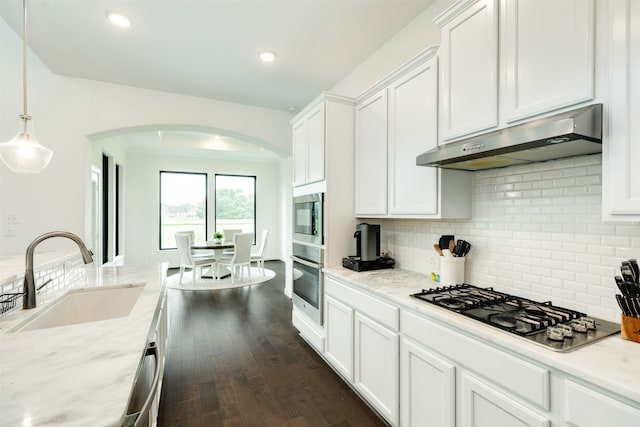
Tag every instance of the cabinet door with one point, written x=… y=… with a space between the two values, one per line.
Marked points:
x=588 y=408
x=339 y=336
x=376 y=366
x=427 y=388
x=621 y=174
x=315 y=147
x=300 y=137
x=484 y=406
x=469 y=71
x=547 y=57
x=371 y=155
x=413 y=129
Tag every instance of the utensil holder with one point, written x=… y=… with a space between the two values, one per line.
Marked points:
x=451 y=270
x=630 y=328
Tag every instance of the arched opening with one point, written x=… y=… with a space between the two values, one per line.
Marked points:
x=130 y=161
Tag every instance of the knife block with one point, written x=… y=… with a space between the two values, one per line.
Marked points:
x=630 y=328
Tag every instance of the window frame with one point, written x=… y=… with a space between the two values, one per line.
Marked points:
x=206 y=203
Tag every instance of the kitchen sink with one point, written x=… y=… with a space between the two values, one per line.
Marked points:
x=84 y=305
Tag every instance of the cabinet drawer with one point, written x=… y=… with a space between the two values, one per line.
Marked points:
x=519 y=377
x=384 y=313
x=587 y=408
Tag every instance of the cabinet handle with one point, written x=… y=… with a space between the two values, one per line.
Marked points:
x=307 y=263
x=131 y=420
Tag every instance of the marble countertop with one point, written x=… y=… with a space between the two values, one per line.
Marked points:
x=77 y=375
x=611 y=363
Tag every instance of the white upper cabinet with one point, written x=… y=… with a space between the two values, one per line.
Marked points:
x=371 y=155
x=545 y=62
x=412 y=130
x=468 y=68
x=546 y=57
x=308 y=147
x=397 y=120
x=621 y=175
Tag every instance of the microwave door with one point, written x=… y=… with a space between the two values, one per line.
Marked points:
x=304 y=218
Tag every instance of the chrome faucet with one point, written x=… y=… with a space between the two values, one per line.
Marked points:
x=29 y=289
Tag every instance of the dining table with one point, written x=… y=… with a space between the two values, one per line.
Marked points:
x=217 y=248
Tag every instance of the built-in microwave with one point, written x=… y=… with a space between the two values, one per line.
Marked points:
x=307 y=218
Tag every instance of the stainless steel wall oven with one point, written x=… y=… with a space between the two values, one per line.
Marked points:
x=308 y=281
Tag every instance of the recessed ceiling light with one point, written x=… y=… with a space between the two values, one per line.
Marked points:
x=267 y=56
x=118 y=19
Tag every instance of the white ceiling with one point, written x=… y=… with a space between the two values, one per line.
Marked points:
x=209 y=48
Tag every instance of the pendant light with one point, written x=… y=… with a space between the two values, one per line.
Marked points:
x=23 y=153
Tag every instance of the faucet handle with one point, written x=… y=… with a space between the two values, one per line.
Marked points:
x=44 y=284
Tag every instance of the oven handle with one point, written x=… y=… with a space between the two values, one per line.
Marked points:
x=307 y=263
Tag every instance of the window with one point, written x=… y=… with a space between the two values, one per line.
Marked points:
x=236 y=203
x=183 y=206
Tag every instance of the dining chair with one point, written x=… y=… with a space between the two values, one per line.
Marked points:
x=228 y=234
x=258 y=255
x=198 y=253
x=241 y=256
x=184 y=240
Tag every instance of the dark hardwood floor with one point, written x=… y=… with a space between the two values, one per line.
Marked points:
x=235 y=360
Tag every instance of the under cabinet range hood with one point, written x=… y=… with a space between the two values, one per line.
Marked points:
x=573 y=133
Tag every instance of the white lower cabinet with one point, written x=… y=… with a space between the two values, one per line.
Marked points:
x=419 y=371
x=339 y=336
x=427 y=394
x=376 y=365
x=362 y=350
x=482 y=405
x=589 y=408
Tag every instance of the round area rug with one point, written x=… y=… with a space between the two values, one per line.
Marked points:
x=204 y=284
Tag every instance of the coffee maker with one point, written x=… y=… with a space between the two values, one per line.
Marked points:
x=367 y=241
x=367 y=250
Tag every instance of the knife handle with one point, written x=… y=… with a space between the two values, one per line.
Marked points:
x=627 y=272
x=622 y=304
x=634 y=266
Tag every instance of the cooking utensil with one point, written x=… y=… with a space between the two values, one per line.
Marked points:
x=457 y=250
x=436 y=247
x=452 y=245
x=466 y=247
x=444 y=241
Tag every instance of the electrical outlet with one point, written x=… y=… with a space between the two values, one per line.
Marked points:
x=8 y=231
x=11 y=218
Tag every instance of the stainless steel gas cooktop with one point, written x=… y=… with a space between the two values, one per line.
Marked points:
x=543 y=323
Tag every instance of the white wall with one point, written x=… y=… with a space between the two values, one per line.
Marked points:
x=68 y=110
x=142 y=200
x=418 y=35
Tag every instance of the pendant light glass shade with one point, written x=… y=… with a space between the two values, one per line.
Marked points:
x=23 y=153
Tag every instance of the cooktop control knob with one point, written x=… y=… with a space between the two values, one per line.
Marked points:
x=555 y=334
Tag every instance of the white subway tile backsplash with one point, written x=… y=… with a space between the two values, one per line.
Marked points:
x=62 y=273
x=536 y=231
